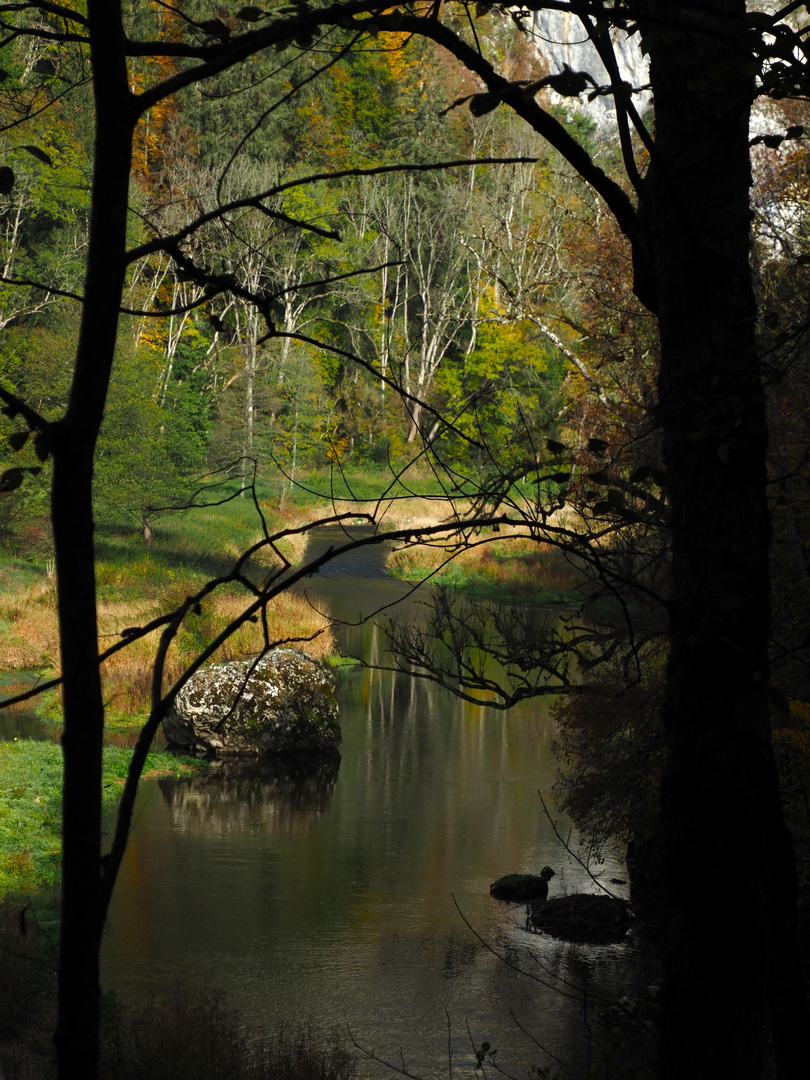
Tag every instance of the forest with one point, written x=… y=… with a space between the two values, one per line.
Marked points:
x=316 y=260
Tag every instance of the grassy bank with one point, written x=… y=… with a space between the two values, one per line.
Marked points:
x=509 y=567
x=137 y=582
x=31 y=807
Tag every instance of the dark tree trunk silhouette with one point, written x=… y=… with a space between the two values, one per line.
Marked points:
x=724 y=839
x=72 y=443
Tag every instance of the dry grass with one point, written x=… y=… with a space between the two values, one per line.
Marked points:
x=414 y=513
x=27 y=614
x=30 y=639
x=289 y=619
x=510 y=563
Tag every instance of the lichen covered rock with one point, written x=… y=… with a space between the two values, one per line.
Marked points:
x=282 y=704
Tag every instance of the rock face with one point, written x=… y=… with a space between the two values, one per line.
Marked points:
x=282 y=704
x=560 y=39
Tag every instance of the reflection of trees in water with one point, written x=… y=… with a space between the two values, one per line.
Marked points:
x=285 y=794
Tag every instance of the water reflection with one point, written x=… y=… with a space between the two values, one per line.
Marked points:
x=336 y=897
x=286 y=794
x=19 y=721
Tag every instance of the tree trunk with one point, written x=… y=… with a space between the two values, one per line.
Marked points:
x=72 y=443
x=724 y=838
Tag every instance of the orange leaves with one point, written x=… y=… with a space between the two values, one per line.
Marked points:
x=153 y=135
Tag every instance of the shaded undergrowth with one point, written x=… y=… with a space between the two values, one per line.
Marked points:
x=187 y=1033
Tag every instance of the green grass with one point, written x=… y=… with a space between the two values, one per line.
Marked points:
x=320 y=486
x=31 y=807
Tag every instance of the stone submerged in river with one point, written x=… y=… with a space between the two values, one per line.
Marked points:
x=522 y=887
x=283 y=703
x=583 y=917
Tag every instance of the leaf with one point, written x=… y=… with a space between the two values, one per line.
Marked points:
x=481 y=104
x=250 y=14
x=568 y=83
x=45 y=67
x=215 y=28
x=6 y=179
x=600 y=477
x=774 y=378
x=11 y=479
x=643 y=472
x=41 y=448
x=597 y=446
x=18 y=439
x=40 y=155
x=559 y=477
x=555 y=447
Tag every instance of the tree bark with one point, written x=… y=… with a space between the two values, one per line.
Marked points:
x=72 y=442
x=724 y=838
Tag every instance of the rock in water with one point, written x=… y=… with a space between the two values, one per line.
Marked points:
x=584 y=917
x=282 y=704
x=521 y=887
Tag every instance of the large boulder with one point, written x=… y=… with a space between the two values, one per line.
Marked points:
x=283 y=703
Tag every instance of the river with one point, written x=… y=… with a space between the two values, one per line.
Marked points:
x=360 y=898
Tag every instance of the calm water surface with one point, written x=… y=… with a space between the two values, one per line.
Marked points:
x=341 y=897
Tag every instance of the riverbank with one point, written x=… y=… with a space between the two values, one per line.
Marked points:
x=136 y=583
x=31 y=807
